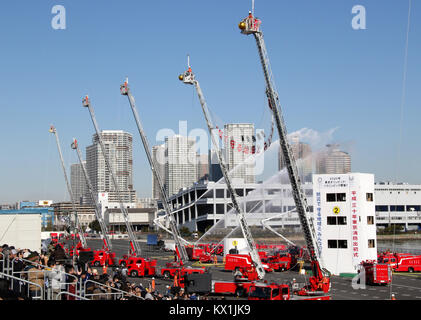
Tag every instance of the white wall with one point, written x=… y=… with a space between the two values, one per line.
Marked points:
x=241 y=245
x=23 y=231
x=355 y=186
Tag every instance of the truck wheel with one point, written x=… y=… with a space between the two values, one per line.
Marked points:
x=411 y=269
x=166 y=275
x=134 y=274
x=97 y=263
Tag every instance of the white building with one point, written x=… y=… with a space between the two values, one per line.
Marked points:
x=118 y=146
x=303 y=156
x=344 y=220
x=158 y=155
x=238 y=137
x=333 y=161
x=204 y=204
x=181 y=164
x=398 y=203
x=78 y=183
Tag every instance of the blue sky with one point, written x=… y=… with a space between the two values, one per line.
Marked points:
x=328 y=75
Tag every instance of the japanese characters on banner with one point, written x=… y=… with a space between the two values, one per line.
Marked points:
x=354 y=225
x=319 y=221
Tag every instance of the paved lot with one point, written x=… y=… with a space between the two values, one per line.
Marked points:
x=405 y=286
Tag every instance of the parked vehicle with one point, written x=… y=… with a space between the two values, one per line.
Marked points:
x=401 y=262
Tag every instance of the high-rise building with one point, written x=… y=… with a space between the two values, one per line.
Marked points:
x=239 y=139
x=158 y=155
x=333 y=161
x=303 y=157
x=202 y=167
x=215 y=172
x=78 y=183
x=118 y=147
x=181 y=163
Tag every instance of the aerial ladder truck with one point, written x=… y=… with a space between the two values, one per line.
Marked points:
x=105 y=256
x=78 y=230
x=178 y=266
x=135 y=251
x=320 y=280
x=258 y=270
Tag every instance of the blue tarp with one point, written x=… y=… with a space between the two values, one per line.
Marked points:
x=152 y=239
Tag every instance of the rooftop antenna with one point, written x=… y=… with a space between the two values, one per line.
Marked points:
x=252 y=7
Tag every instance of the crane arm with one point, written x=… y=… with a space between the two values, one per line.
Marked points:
x=251 y=25
x=133 y=243
x=189 y=78
x=79 y=230
x=267 y=226
x=125 y=90
x=107 y=242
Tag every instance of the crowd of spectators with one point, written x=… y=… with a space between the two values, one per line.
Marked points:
x=53 y=276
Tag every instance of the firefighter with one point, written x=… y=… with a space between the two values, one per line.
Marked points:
x=393 y=297
x=153 y=284
x=215 y=259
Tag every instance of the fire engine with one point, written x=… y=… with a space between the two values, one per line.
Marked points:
x=140 y=267
x=320 y=280
x=77 y=227
x=134 y=246
x=401 y=262
x=242 y=263
x=177 y=267
x=376 y=273
x=280 y=261
x=257 y=271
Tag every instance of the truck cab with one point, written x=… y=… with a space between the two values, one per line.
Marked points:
x=102 y=257
x=269 y=292
x=140 y=267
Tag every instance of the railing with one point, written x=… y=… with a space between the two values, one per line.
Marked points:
x=4 y=275
x=119 y=292
x=71 y=294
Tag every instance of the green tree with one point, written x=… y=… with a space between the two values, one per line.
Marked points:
x=94 y=225
x=185 y=232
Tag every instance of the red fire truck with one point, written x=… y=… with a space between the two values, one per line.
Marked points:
x=280 y=262
x=140 y=267
x=242 y=263
x=401 y=262
x=177 y=267
x=103 y=257
x=275 y=291
x=377 y=273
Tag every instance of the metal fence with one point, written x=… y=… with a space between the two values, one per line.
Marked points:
x=46 y=292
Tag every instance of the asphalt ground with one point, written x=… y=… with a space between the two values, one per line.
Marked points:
x=405 y=286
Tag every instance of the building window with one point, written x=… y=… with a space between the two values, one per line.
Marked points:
x=369 y=197
x=413 y=208
x=337 y=244
x=342 y=244
x=382 y=208
x=336 y=221
x=371 y=243
x=331 y=221
x=219 y=193
x=397 y=208
x=341 y=221
x=330 y=197
x=335 y=197
x=370 y=220
x=341 y=197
